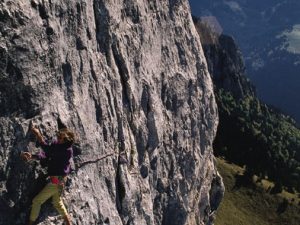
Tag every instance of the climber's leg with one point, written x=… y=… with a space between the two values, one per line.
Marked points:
x=59 y=205
x=48 y=191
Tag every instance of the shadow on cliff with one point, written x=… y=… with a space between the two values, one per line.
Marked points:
x=23 y=182
x=18 y=102
x=16 y=98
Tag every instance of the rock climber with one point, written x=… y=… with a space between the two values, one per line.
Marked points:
x=57 y=156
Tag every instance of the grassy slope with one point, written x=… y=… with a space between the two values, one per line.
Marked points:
x=246 y=206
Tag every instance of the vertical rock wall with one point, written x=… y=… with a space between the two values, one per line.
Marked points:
x=131 y=79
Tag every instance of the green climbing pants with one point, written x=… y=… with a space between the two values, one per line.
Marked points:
x=50 y=190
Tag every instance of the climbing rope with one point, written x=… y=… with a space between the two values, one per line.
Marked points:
x=121 y=157
x=81 y=164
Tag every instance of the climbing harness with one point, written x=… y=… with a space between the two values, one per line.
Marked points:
x=59 y=180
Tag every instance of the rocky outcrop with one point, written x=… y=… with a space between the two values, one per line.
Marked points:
x=225 y=61
x=131 y=79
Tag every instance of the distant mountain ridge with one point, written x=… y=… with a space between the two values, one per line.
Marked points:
x=268 y=33
x=224 y=60
x=250 y=133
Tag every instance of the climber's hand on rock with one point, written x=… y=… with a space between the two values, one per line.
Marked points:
x=26 y=156
x=37 y=133
x=35 y=130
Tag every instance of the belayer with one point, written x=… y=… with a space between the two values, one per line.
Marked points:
x=57 y=156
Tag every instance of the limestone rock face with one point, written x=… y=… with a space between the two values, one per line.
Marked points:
x=130 y=78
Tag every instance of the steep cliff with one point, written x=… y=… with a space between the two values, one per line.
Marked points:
x=225 y=61
x=131 y=79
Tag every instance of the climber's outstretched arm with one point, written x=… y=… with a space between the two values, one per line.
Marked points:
x=27 y=156
x=37 y=133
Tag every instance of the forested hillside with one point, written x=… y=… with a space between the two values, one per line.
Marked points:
x=265 y=141
x=250 y=133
